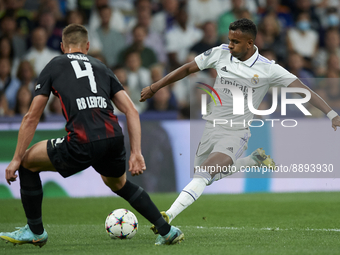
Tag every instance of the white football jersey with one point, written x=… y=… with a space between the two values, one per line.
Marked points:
x=256 y=73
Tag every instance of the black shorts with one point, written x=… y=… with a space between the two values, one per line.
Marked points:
x=106 y=156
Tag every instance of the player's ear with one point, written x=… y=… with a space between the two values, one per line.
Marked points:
x=62 y=47
x=250 y=43
x=87 y=46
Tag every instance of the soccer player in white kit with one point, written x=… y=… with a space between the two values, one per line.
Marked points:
x=238 y=64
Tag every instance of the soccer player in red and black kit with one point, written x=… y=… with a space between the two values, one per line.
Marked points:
x=85 y=88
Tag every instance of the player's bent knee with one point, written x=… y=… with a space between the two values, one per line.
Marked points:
x=36 y=158
x=28 y=165
x=33 y=170
x=215 y=163
x=114 y=184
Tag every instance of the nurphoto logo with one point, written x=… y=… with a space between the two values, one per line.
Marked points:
x=239 y=102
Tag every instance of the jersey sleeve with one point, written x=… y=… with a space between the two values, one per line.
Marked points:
x=44 y=82
x=280 y=77
x=208 y=59
x=115 y=85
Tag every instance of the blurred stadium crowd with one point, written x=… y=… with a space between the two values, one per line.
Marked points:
x=143 y=40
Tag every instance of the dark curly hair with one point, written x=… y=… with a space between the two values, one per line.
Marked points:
x=245 y=25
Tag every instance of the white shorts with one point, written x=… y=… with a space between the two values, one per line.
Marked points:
x=218 y=139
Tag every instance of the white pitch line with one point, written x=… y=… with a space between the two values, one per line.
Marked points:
x=219 y=228
x=268 y=229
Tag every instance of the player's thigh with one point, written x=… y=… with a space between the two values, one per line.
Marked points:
x=218 y=158
x=110 y=157
x=206 y=158
x=216 y=163
x=113 y=183
x=228 y=146
x=215 y=145
x=36 y=158
x=231 y=143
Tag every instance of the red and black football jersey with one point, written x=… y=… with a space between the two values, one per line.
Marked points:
x=84 y=86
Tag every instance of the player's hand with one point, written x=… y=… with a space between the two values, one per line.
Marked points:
x=336 y=122
x=136 y=164
x=11 y=176
x=147 y=93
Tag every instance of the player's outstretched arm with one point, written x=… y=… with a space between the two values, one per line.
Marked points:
x=26 y=132
x=172 y=77
x=319 y=103
x=126 y=106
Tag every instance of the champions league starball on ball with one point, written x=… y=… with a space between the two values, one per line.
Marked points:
x=121 y=224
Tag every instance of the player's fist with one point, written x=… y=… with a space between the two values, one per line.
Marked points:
x=147 y=93
x=11 y=176
x=136 y=164
x=336 y=122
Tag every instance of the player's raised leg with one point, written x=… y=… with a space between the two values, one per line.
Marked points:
x=257 y=158
x=35 y=160
x=142 y=203
x=202 y=178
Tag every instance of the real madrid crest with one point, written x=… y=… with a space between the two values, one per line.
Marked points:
x=255 y=80
x=207 y=53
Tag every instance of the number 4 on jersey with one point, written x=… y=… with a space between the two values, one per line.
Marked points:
x=87 y=72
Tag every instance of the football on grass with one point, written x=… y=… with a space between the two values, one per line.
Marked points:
x=121 y=224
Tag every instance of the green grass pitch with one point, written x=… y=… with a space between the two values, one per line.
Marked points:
x=288 y=223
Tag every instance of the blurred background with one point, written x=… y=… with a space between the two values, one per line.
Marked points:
x=142 y=41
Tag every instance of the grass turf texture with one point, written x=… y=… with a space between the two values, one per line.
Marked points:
x=289 y=223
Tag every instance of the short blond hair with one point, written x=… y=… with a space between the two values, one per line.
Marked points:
x=74 y=34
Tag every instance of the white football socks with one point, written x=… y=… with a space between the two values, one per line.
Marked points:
x=195 y=188
x=189 y=194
